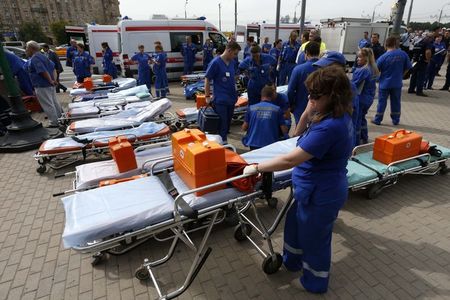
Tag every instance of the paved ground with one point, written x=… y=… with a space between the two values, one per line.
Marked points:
x=397 y=246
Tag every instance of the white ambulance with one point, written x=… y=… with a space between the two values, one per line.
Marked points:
x=97 y=34
x=172 y=34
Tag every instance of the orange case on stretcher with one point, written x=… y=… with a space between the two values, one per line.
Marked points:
x=396 y=146
x=197 y=161
x=123 y=154
x=88 y=83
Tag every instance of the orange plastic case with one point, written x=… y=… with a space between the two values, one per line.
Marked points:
x=88 y=83
x=396 y=146
x=122 y=153
x=197 y=161
x=106 y=78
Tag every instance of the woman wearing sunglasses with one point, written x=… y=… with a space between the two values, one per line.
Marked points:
x=319 y=178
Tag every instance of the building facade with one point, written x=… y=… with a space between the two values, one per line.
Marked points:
x=75 y=12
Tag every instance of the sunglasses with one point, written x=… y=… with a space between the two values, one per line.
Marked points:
x=314 y=95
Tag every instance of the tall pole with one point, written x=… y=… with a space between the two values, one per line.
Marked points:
x=373 y=14
x=398 y=18
x=185 y=13
x=409 y=13
x=277 y=22
x=220 y=19
x=442 y=9
x=302 y=18
x=235 y=18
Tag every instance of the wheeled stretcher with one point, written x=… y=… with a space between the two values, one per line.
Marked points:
x=99 y=221
x=61 y=152
x=118 y=84
x=133 y=91
x=155 y=111
x=192 y=78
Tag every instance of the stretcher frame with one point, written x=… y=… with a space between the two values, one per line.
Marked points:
x=61 y=160
x=388 y=178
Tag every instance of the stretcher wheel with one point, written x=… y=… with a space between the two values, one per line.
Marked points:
x=96 y=259
x=231 y=217
x=41 y=169
x=142 y=273
x=444 y=170
x=272 y=263
x=272 y=202
x=241 y=231
x=373 y=191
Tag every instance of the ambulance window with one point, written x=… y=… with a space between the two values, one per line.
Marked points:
x=218 y=39
x=178 y=38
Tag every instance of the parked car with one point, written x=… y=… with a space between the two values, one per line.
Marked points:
x=20 y=52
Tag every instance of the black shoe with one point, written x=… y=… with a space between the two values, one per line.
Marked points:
x=411 y=92
x=52 y=126
x=422 y=95
x=444 y=89
x=374 y=122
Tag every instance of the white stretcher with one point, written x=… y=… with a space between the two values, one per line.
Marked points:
x=99 y=221
x=61 y=152
x=133 y=91
x=155 y=111
x=119 y=84
x=192 y=78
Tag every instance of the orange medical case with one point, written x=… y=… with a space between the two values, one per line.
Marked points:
x=106 y=78
x=197 y=161
x=396 y=146
x=200 y=100
x=123 y=154
x=88 y=83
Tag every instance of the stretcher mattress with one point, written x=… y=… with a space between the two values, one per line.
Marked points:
x=145 y=131
x=190 y=114
x=111 y=107
x=106 y=99
x=123 y=119
x=123 y=84
x=90 y=175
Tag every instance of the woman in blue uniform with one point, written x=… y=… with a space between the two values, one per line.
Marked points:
x=259 y=67
x=364 y=78
x=144 y=76
x=266 y=46
x=159 y=68
x=287 y=57
x=82 y=62
x=275 y=53
x=108 y=65
x=319 y=178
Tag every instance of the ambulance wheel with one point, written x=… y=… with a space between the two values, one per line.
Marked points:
x=272 y=202
x=142 y=273
x=444 y=170
x=96 y=259
x=373 y=191
x=241 y=231
x=41 y=169
x=272 y=263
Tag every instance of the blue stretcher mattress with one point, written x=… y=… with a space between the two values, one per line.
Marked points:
x=99 y=213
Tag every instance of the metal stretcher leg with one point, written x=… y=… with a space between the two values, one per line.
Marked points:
x=146 y=270
x=272 y=260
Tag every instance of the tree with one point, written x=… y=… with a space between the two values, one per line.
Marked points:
x=32 y=31
x=59 y=31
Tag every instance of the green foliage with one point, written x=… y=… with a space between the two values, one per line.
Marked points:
x=59 y=32
x=32 y=31
x=426 y=25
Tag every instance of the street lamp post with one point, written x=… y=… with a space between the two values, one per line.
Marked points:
x=442 y=9
x=295 y=11
x=220 y=19
x=185 y=13
x=373 y=14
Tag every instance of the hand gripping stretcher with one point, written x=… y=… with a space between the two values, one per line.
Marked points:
x=99 y=221
x=154 y=111
x=61 y=152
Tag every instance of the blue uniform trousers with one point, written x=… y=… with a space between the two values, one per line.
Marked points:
x=144 y=77
x=188 y=68
x=417 y=78
x=160 y=85
x=308 y=231
x=225 y=112
x=430 y=74
x=395 y=96
x=285 y=73
x=254 y=92
x=363 y=109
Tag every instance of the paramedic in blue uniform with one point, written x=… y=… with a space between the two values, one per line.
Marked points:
x=248 y=46
x=275 y=53
x=208 y=49
x=221 y=74
x=155 y=43
x=108 y=65
x=281 y=100
x=263 y=121
x=422 y=54
x=188 y=50
x=287 y=57
x=297 y=92
x=82 y=62
x=16 y=65
x=392 y=65
x=159 y=68
x=71 y=52
x=319 y=178
x=259 y=67
x=436 y=60
x=364 y=78
x=144 y=74
x=266 y=46
x=363 y=43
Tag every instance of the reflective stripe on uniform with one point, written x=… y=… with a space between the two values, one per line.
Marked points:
x=321 y=274
x=292 y=249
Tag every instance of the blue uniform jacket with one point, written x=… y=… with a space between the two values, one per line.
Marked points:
x=259 y=75
x=208 y=52
x=108 y=65
x=266 y=48
x=289 y=52
x=160 y=68
x=392 y=65
x=36 y=65
x=275 y=53
x=224 y=84
x=142 y=59
x=82 y=63
x=188 y=52
x=364 y=77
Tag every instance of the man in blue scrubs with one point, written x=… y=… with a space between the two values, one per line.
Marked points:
x=287 y=57
x=208 y=48
x=392 y=66
x=71 y=52
x=82 y=62
x=263 y=121
x=250 y=41
x=144 y=76
x=188 y=50
x=221 y=74
x=259 y=67
x=297 y=92
x=275 y=53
